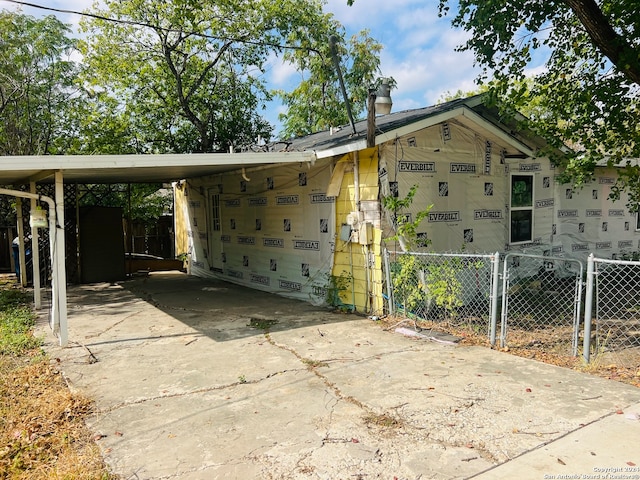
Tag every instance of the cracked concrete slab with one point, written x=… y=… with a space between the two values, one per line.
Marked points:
x=200 y=379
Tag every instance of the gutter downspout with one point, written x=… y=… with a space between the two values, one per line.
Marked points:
x=356 y=199
x=35 y=254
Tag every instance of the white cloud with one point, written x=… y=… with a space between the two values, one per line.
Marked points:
x=280 y=73
x=419 y=48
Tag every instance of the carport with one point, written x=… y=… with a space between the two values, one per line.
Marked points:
x=17 y=171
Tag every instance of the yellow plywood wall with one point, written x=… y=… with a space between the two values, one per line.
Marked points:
x=353 y=260
x=180 y=216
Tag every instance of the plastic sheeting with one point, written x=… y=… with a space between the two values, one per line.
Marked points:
x=587 y=221
x=271 y=229
x=466 y=180
x=461 y=176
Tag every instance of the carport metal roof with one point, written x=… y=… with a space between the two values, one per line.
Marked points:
x=16 y=170
x=20 y=170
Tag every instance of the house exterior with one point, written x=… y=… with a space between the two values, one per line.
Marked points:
x=316 y=230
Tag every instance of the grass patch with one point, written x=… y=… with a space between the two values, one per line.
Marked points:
x=314 y=363
x=43 y=434
x=261 y=323
x=383 y=420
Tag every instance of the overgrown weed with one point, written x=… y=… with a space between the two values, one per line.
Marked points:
x=43 y=434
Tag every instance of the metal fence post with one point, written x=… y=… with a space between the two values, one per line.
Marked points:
x=505 y=299
x=495 y=277
x=387 y=267
x=588 y=306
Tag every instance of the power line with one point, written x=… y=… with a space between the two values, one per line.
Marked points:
x=157 y=27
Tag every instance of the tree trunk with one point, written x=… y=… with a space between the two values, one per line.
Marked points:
x=614 y=46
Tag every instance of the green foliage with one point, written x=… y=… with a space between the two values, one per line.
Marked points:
x=406 y=230
x=448 y=96
x=444 y=286
x=142 y=202
x=37 y=84
x=16 y=321
x=189 y=76
x=317 y=103
x=11 y=298
x=408 y=289
x=420 y=286
x=586 y=97
x=336 y=286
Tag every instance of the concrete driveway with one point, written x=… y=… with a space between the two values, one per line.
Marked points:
x=200 y=379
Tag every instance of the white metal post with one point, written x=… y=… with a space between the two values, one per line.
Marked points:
x=505 y=299
x=387 y=267
x=22 y=264
x=59 y=265
x=588 y=306
x=495 y=277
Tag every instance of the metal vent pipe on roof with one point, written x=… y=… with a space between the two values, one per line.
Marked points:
x=383 y=98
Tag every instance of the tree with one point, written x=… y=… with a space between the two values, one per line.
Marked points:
x=587 y=95
x=189 y=73
x=317 y=102
x=37 y=84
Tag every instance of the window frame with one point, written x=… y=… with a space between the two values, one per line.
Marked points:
x=528 y=208
x=216 y=213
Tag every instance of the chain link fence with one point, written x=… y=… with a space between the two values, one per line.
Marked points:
x=612 y=313
x=445 y=290
x=541 y=303
x=539 y=300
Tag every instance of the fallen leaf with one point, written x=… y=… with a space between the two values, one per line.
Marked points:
x=355 y=440
x=98 y=436
x=619 y=412
x=528 y=390
x=118 y=434
x=561 y=462
x=631 y=464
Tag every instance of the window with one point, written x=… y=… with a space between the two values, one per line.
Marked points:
x=521 y=209
x=638 y=218
x=215 y=208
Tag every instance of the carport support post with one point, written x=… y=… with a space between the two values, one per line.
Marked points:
x=22 y=264
x=59 y=264
x=588 y=306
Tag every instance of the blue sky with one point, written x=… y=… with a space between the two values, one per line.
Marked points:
x=419 y=47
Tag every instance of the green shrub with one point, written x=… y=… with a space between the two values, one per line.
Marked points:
x=16 y=323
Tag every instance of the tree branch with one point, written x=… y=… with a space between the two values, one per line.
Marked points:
x=614 y=46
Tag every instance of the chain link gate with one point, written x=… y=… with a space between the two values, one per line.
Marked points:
x=444 y=289
x=613 y=296
x=541 y=303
